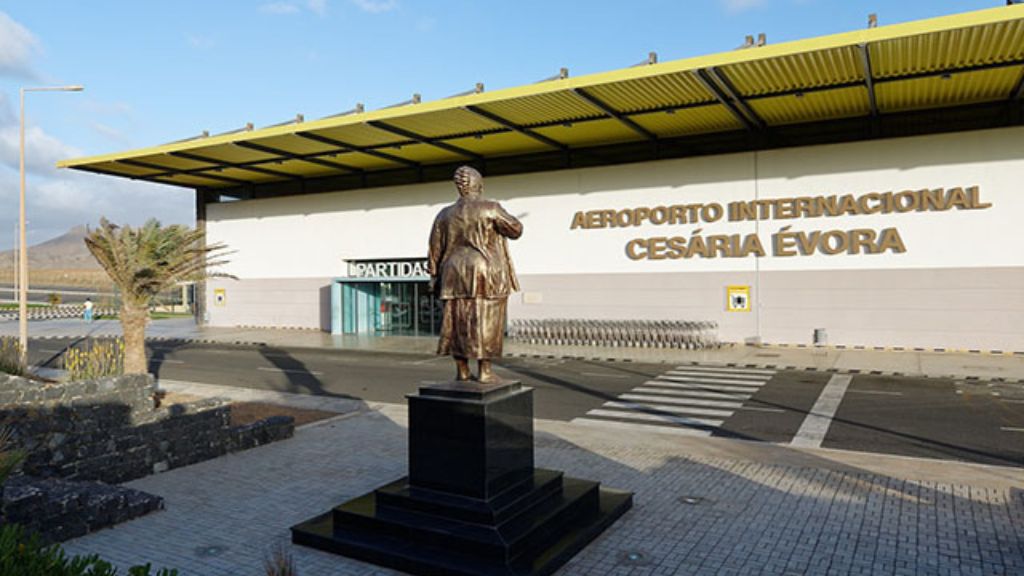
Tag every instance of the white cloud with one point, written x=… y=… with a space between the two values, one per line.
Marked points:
x=376 y=6
x=6 y=111
x=279 y=8
x=42 y=151
x=285 y=7
x=318 y=7
x=60 y=199
x=17 y=46
x=736 y=6
x=61 y=196
x=64 y=199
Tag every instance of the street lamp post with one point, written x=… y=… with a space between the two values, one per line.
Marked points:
x=23 y=248
x=15 y=259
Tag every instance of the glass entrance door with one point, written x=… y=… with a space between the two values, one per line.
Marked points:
x=397 y=308
x=360 y=307
x=390 y=308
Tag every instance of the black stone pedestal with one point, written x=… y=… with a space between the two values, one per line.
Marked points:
x=473 y=503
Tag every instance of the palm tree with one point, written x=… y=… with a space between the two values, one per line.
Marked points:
x=143 y=262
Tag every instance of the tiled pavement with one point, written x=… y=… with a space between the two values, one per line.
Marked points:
x=703 y=505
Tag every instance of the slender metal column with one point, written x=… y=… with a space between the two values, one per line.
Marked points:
x=199 y=288
x=22 y=248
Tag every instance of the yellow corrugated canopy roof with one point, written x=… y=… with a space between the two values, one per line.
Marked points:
x=942 y=62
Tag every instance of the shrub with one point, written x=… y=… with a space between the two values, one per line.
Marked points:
x=279 y=563
x=23 y=554
x=53 y=299
x=9 y=457
x=10 y=356
x=145 y=261
x=98 y=360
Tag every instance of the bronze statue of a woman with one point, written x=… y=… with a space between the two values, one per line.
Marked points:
x=470 y=266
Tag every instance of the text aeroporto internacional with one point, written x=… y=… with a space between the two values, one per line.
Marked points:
x=784 y=242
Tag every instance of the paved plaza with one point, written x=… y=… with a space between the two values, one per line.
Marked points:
x=702 y=506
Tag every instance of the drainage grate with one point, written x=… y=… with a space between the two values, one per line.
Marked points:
x=634 y=558
x=210 y=551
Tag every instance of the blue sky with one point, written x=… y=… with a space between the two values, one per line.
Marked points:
x=161 y=71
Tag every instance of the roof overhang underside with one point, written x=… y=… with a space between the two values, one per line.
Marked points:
x=965 y=61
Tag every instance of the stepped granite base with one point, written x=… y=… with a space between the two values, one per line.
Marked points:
x=473 y=503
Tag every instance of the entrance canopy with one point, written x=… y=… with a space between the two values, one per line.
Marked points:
x=865 y=76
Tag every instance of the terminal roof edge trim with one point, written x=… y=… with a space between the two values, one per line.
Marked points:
x=727 y=108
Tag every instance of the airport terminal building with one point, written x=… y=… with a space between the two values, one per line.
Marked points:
x=869 y=185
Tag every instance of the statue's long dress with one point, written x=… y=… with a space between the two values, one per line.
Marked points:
x=469 y=252
x=472 y=327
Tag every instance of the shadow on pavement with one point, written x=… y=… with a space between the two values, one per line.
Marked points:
x=934 y=447
x=691 y=515
x=301 y=380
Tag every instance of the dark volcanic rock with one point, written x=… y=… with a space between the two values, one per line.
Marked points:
x=61 y=509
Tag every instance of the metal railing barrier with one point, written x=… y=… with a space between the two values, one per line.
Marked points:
x=58 y=312
x=680 y=334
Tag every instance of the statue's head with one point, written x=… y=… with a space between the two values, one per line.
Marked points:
x=468 y=181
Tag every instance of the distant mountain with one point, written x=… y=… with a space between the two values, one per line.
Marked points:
x=65 y=252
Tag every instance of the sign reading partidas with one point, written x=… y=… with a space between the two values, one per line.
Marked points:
x=411 y=268
x=784 y=242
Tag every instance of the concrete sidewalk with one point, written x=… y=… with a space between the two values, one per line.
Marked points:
x=1009 y=367
x=703 y=506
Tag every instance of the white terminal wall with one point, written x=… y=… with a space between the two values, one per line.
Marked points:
x=960 y=282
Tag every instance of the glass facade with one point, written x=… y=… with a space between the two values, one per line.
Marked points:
x=390 y=307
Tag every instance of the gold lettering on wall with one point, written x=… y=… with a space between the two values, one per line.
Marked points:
x=784 y=242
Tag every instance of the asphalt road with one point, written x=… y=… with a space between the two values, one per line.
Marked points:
x=935 y=418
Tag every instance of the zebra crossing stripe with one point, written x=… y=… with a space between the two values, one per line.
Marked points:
x=695 y=386
x=689 y=400
x=659 y=408
x=720 y=374
x=687 y=378
x=684 y=378
x=726 y=369
x=815 y=426
x=638 y=427
x=692 y=374
x=666 y=418
x=693 y=393
x=684 y=401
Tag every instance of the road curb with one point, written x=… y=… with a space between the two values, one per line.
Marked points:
x=247 y=343
x=972 y=351
x=761 y=365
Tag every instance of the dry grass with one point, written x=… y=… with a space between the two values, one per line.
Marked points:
x=101 y=358
x=84 y=278
x=10 y=356
x=243 y=413
x=10 y=457
x=279 y=563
